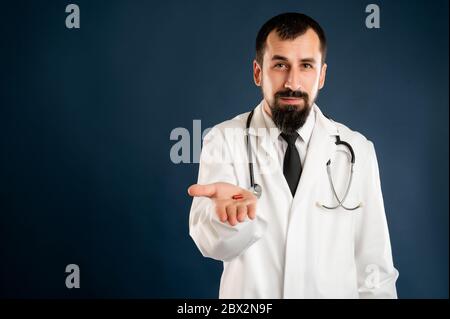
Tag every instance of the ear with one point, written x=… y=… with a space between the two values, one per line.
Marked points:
x=256 y=73
x=323 y=73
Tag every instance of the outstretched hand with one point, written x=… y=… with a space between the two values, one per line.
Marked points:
x=232 y=203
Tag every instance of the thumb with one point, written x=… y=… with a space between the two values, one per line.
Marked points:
x=208 y=190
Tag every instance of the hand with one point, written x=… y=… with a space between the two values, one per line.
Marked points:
x=232 y=203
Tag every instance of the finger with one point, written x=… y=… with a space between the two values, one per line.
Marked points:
x=241 y=212
x=246 y=202
x=249 y=195
x=207 y=190
x=221 y=212
x=231 y=212
x=251 y=210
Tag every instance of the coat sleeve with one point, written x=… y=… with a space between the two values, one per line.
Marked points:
x=376 y=273
x=214 y=238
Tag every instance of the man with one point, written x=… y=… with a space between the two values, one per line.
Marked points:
x=287 y=244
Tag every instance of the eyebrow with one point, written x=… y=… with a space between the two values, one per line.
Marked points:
x=279 y=57
x=282 y=58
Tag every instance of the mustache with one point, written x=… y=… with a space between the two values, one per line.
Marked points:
x=290 y=93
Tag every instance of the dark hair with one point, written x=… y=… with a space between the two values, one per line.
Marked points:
x=289 y=26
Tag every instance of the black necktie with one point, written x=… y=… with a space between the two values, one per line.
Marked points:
x=292 y=166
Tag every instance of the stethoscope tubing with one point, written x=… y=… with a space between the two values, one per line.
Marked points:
x=257 y=189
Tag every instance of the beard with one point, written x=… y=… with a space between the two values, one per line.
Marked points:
x=289 y=118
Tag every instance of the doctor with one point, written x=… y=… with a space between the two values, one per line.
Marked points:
x=286 y=244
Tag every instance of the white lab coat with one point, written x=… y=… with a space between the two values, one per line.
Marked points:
x=294 y=248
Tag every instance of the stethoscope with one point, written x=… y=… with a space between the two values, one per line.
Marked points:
x=256 y=189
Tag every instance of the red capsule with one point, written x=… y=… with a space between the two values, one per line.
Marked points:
x=238 y=196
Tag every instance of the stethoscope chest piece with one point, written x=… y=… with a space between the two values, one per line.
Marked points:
x=256 y=189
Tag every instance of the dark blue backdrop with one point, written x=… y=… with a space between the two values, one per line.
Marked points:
x=86 y=116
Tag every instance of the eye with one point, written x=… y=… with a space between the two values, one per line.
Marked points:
x=307 y=66
x=280 y=66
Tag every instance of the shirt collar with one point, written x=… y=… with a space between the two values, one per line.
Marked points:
x=305 y=131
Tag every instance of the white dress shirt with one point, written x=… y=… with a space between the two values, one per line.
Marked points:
x=301 y=143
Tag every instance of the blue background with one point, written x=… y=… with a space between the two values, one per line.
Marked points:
x=86 y=116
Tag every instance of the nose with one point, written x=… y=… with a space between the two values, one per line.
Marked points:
x=293 y=80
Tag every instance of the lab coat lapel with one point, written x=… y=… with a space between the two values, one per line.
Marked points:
x=263 y=145
x=320 y=148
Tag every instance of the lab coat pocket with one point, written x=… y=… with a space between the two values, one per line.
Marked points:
x=334 y=246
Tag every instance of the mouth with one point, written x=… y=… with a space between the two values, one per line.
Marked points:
x=291 y=100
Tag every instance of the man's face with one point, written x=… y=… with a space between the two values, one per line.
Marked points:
x=290 y=78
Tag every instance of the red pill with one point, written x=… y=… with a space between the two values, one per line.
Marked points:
x=238 y=196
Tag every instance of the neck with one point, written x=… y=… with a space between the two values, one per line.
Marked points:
x=267 y=109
